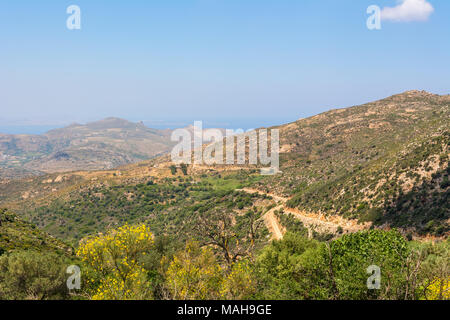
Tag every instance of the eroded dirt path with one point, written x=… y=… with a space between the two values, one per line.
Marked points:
x=313 y=221
x=273 y=224
x=274 y=196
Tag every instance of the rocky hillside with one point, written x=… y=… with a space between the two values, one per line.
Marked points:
x=99 y=145
x=384 y=162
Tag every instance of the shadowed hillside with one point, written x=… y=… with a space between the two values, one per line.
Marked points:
x=16 y=234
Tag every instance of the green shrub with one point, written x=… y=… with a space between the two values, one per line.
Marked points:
x=32 y=275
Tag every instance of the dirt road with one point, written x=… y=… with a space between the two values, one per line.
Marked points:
x=313 y=221
x=273 y=225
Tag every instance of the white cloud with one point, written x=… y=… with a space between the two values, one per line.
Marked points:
x=408 y=10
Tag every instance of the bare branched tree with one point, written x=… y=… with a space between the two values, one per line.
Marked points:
x=218 y=228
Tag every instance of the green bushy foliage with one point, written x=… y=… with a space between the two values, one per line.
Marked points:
x=33 y=275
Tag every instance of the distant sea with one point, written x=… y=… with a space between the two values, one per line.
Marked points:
x=26 y=129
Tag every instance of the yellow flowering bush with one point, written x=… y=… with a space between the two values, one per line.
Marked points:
x=239 y=284
x=115 y=257
x=194 y=274
x=439 y=289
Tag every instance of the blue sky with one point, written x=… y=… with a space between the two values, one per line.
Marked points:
x=234 y=63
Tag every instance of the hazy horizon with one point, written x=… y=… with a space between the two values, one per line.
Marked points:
x=31 y=126
x=21 y=127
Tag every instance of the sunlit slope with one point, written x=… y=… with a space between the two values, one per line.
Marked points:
x=385 y=161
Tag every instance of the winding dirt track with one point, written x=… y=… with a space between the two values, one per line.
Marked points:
x=312 y=221
x=273 y=225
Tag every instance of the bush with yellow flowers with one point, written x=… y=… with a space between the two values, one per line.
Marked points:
x=239 y=283
x=115 y=259
x=195 y=274
x=439 y=289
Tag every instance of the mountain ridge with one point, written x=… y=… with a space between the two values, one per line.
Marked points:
x=98 y=145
